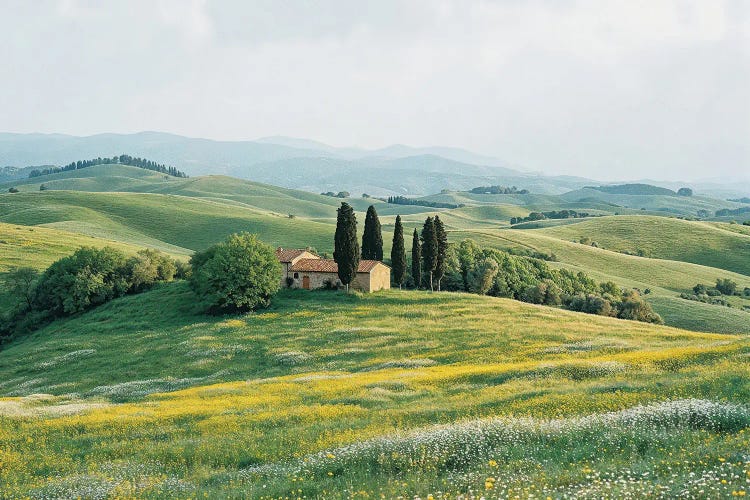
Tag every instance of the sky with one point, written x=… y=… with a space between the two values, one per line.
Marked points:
x=604 y=89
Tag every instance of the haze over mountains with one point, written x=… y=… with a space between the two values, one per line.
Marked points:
x=310 y=165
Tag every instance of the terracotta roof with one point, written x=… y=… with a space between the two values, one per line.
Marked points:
x=330 y=266
x=288 y=254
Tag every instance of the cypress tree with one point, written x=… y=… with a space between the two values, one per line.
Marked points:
x=416 y=260
x=442 y=249
x=398 y=253
x=429 y=249
x=372 y=238
x=346 y=247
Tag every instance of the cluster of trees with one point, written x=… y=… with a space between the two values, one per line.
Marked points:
x=429 y=250
x=403 y=200
x=684 y=191
x=713 y=295
x=554 y=214
x=741 y=200
x=239 y=274
x=85 y=279
x=122 y=160
x=484 y=271
x=340 y=194
x=498 y=190
x=727 y=212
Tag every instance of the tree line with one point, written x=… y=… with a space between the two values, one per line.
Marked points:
x=403 y=200
x=87 y=278
x=121 y=160
x=554 y=214
x=726 y=212
x=467 y=267
x=498 y=190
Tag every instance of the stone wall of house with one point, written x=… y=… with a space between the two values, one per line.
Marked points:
x=380 y=278
x=317 y=279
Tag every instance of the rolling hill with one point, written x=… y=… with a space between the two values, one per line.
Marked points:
x=143 y=208
x=303 y=383
x=665 y=238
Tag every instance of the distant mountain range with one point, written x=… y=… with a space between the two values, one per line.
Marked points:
x=297 y=163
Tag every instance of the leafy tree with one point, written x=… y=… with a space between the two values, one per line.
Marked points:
x=684 y=191
x=372 y=237
x=726 y=286
x=442 y=249
x=700 y=289
x=635 y=308
x=12 y=190
x=239 y=274
x=416 y=260
x=342 y=194
x=146 y=268
x=20 y=283
x=346 y=247
x=398 y=253
x=89 y=277
x=42 y=187
x=429 y=249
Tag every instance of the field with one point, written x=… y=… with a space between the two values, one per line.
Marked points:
x=404 y=394
x=325 y=393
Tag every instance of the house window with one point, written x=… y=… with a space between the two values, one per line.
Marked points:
x=296 y=276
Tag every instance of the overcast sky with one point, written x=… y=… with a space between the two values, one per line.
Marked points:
x=607 y=89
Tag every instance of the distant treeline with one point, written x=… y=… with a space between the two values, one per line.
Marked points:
x=122 y=160
x=741 y=200
x=634 y=189
x=403 y=200
x=726 y=212
x=498 y=190
x=554 y=214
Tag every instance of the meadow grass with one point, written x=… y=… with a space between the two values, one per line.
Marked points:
x=333 y=395
x=665 y=238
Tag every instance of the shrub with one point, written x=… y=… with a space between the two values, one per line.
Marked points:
x=239 y=274
x=12 y=190
x=726 y=286
x=89 y=277
x=635 y=308
x=146 y=268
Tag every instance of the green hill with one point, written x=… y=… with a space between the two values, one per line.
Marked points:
x=636 y=189
x=165 y=222
x=146 y=397
x=659 y=202
x=665 y=278
x=665 y=238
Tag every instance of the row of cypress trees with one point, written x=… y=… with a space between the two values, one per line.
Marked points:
x=428 y=249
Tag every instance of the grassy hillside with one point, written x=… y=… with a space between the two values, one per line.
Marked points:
x=256 y=393
x=665 y=278
x=682 y=205
x=114 y=178
x=665 y=238
x=155 y=220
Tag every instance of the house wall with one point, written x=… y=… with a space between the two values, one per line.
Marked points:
x=317 y=279
x=380 y=278
x=285 y=266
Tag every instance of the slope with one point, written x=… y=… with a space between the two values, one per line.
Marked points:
x=665 y=238
x=148 y=398
x=665 y=278
x=166 y=222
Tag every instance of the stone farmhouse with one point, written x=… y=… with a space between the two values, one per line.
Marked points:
x=304 y=269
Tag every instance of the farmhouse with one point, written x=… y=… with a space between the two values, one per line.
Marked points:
x=304 y=269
